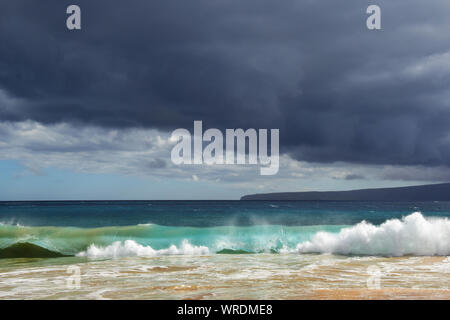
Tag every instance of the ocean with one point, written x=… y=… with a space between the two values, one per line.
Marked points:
x=224 y=250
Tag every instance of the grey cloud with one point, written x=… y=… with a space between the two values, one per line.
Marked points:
x=157 y=163
x=337 y=91
x=145 y=153
x=351 y=176
x=416 y=173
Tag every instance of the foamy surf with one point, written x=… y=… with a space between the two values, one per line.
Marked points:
x=412 y=235
x=131 y=248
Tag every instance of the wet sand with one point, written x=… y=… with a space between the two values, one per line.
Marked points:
x=252 y=276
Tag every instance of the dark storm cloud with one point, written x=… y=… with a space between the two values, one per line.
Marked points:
x=337 y=91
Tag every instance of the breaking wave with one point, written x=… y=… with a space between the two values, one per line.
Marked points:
x=412 y=235
x=131 y=248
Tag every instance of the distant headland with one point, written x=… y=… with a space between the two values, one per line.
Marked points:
x=430 y=192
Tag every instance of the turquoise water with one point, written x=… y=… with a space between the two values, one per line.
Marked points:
x=153 y=228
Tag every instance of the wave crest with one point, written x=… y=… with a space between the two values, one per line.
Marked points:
x=130 y=248
x=412 y=235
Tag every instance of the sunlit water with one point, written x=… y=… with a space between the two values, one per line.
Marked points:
x=225 y=250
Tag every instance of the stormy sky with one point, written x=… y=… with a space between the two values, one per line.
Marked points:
x=355 y=108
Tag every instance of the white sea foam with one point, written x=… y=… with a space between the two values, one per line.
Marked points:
x=412 y=235
x=131 y=248
x=11 y=223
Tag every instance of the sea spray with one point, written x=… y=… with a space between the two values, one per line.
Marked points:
x=412 y=235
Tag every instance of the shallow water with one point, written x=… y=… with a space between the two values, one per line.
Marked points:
x=251 y=276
